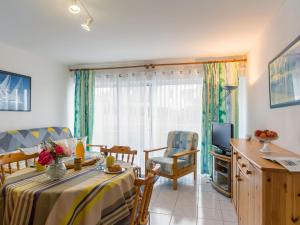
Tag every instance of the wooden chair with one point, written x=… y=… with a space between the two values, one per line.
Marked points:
x=140 y=212
x=180 y=157
x=143 y=192
x=120 y=152
x=123 y=153
x=7 y=160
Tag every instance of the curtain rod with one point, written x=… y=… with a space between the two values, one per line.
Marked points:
x=147 y=66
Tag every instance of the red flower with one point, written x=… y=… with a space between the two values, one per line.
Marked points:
x=45 y=157
x=59 y=150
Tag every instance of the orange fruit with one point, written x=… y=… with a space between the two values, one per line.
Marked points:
x=258 y=132
x=263 y=135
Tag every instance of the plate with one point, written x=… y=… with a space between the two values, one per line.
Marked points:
x=122 y=171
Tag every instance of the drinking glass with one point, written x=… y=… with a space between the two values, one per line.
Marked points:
x=101 y=162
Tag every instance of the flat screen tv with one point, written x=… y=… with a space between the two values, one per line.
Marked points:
x=221 y=135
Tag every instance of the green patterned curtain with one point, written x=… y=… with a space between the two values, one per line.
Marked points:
x=216 y=75
x=84 y=104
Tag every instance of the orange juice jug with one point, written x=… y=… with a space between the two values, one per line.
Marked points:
x=80 y=150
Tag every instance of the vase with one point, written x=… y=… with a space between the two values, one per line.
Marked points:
x=56 y=170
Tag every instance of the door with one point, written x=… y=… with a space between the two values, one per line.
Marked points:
x=255 y=195
x=243 y=198
x=234 y=178
x=292 y=202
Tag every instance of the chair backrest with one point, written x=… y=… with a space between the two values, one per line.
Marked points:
x=6 y=162
x=140 y=211
x=120 y=152
x=179 y=141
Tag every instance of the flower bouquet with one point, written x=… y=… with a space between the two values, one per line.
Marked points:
x=52 y=155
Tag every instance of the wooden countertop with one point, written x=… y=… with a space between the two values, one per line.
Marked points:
x=250 y=150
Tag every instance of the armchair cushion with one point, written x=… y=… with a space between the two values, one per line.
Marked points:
x=166 y=164
x=179 y=141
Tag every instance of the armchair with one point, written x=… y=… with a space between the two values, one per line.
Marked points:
x=180 y=156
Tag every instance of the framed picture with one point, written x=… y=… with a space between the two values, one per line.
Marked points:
x=284 y=77
x=15 y=92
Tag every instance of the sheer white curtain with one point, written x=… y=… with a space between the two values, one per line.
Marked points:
x=105 y=109
x=120 y=109
x=176 y=102
x=138 y=108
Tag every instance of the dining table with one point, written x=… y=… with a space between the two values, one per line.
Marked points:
x=85 y=197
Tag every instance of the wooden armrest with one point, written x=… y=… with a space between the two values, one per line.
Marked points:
x=156 y=149
x=186 y=152
x=142 y=181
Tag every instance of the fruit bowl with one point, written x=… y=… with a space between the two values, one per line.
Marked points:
x=266 y=139
x=265 y=136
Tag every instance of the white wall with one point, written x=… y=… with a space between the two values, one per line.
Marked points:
x=49 y=90
x=282 y=30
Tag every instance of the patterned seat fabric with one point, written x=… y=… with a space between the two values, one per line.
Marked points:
x=166 y=164
x=12 y=140
x=178 y=141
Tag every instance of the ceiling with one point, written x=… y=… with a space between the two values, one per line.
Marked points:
x=127 y=30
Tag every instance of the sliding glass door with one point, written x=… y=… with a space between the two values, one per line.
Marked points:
x=139 y=108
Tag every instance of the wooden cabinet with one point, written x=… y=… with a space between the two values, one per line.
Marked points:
x=234 y=178
x=263 y=192
x=248 y=195
x=243 y=200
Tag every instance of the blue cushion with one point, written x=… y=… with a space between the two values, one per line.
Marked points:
x=182 y=140
x=179 y=141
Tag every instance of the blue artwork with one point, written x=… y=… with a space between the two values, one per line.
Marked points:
x=284 y=77
x=15 y=92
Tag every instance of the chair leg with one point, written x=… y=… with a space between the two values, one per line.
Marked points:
x=146 y=159
x=149 y=218
x=195 y=163
x=175 y=184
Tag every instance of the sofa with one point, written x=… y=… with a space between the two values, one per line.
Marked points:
x=13 y=140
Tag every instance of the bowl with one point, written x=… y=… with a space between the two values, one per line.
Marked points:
x=266 y=140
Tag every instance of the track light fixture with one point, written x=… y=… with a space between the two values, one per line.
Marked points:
x=87 y=25
x=75 y=9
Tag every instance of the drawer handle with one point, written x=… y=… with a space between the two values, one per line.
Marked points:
x=235 y=153
x=239 y=157
x=239 y=179
x=294 y=220
x=248 y=172
x=244 y=165
x=237 y=176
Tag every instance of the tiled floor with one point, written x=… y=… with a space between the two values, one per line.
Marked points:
x=191 y=204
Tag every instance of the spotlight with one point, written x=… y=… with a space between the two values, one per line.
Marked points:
x=87 y=25
x=74 y=7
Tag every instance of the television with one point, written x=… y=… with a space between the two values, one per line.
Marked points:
x=221 y=135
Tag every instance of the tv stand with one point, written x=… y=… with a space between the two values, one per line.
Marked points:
x=221 y=177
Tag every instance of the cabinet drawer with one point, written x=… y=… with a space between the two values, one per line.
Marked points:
x=243 y=164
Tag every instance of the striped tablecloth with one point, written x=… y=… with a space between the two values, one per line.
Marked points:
x=84 y=197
